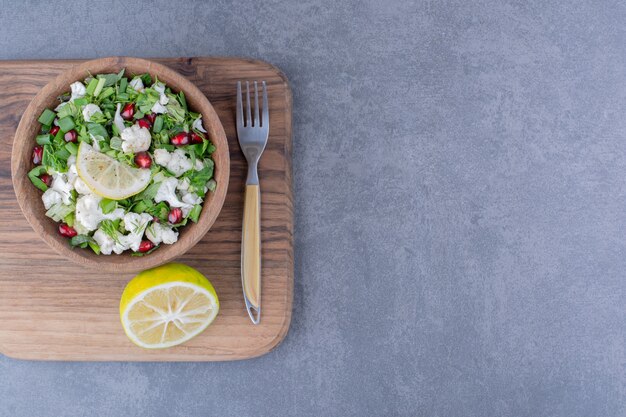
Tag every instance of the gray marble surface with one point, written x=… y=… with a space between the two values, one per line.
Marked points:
x=459 y=182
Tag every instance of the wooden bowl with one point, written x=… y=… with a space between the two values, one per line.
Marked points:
x=29 y=197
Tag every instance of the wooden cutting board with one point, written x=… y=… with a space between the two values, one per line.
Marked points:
x=51 y=309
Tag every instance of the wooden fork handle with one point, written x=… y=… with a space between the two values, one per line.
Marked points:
x=251 y=251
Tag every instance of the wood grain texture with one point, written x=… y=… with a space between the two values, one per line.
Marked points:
x=251 y=245
x=51 y=309
x=29 y=197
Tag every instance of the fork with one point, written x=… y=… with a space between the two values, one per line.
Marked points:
x=252 y=134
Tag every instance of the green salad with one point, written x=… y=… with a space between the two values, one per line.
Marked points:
x=123 y=164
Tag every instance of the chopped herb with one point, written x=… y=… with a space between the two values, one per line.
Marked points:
x=66 y=124
x=47 y=117
x=107 y=205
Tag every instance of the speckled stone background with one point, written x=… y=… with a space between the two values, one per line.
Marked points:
x=460 y=225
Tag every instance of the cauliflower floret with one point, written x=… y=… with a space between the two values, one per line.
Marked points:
x=61 y=185
x=176 y=162
x=135 y=139
x=50 y=198
x=89 y=110
x=179 y=164
x=78 y=90
x=104 y=241
x=136 y=223
x=81 y=187
x=162 y=157
x=158 y=233
x=167 y=192
x=72 y=173
x=160 y=88
x=117 y=119
x=183 y=185
x=192 y=198
x=197 y=124
x=136 y=84
x=158 y=108
x=89 y=214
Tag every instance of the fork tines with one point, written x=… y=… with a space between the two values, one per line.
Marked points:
x=248 y=122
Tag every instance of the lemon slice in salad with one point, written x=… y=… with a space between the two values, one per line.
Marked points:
x=167 y=305
x=109 y=177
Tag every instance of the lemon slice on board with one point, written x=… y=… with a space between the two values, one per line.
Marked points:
x=167 y=305
x=109 y=177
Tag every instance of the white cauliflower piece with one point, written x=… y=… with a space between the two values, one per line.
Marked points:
x=89 y=110
x=89 y=214
x=61 y=185
x=57 y=108
x=136 y=84
x=73 y=178
x=118 y=120
x=176 y=162
x=192 y=198
x=104 y=241
x=50 y=198
x=72 y=172
x=183 y=185
x=160 y=88
x=81 y=187
x=197 y=124
x=167 y=192
x=158 y=233
x=162 y=157
x=179 y=164
x=158 y=108
x=78 y=90
x=136 y=223
x=135 y=139
x=199 y=166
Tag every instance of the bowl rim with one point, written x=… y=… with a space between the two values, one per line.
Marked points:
x=44 y=226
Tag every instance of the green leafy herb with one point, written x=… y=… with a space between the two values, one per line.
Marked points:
x=109 y=227
x=47 y=117
x=107 y=205
x=158 y=124
x=99 y=87
x=71 y=148
x=194 y=214
x=44 y=139
x=67 y=123
x=91 y=87
x=97 y=130
x=81 y=241
x=34 y=174
x=58 y=211
x=94 y=247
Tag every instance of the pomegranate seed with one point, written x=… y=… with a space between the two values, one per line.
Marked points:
x=145 y=123
x=145 y=246
x=66 y=231
x=71 y=136
x=128 y=111
x=175 y=216
x=195 y=138
x=143 y=160
x=54 y=130
x=47 y=179
x=180 y=139
x=37 y=154
x=151 y=117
